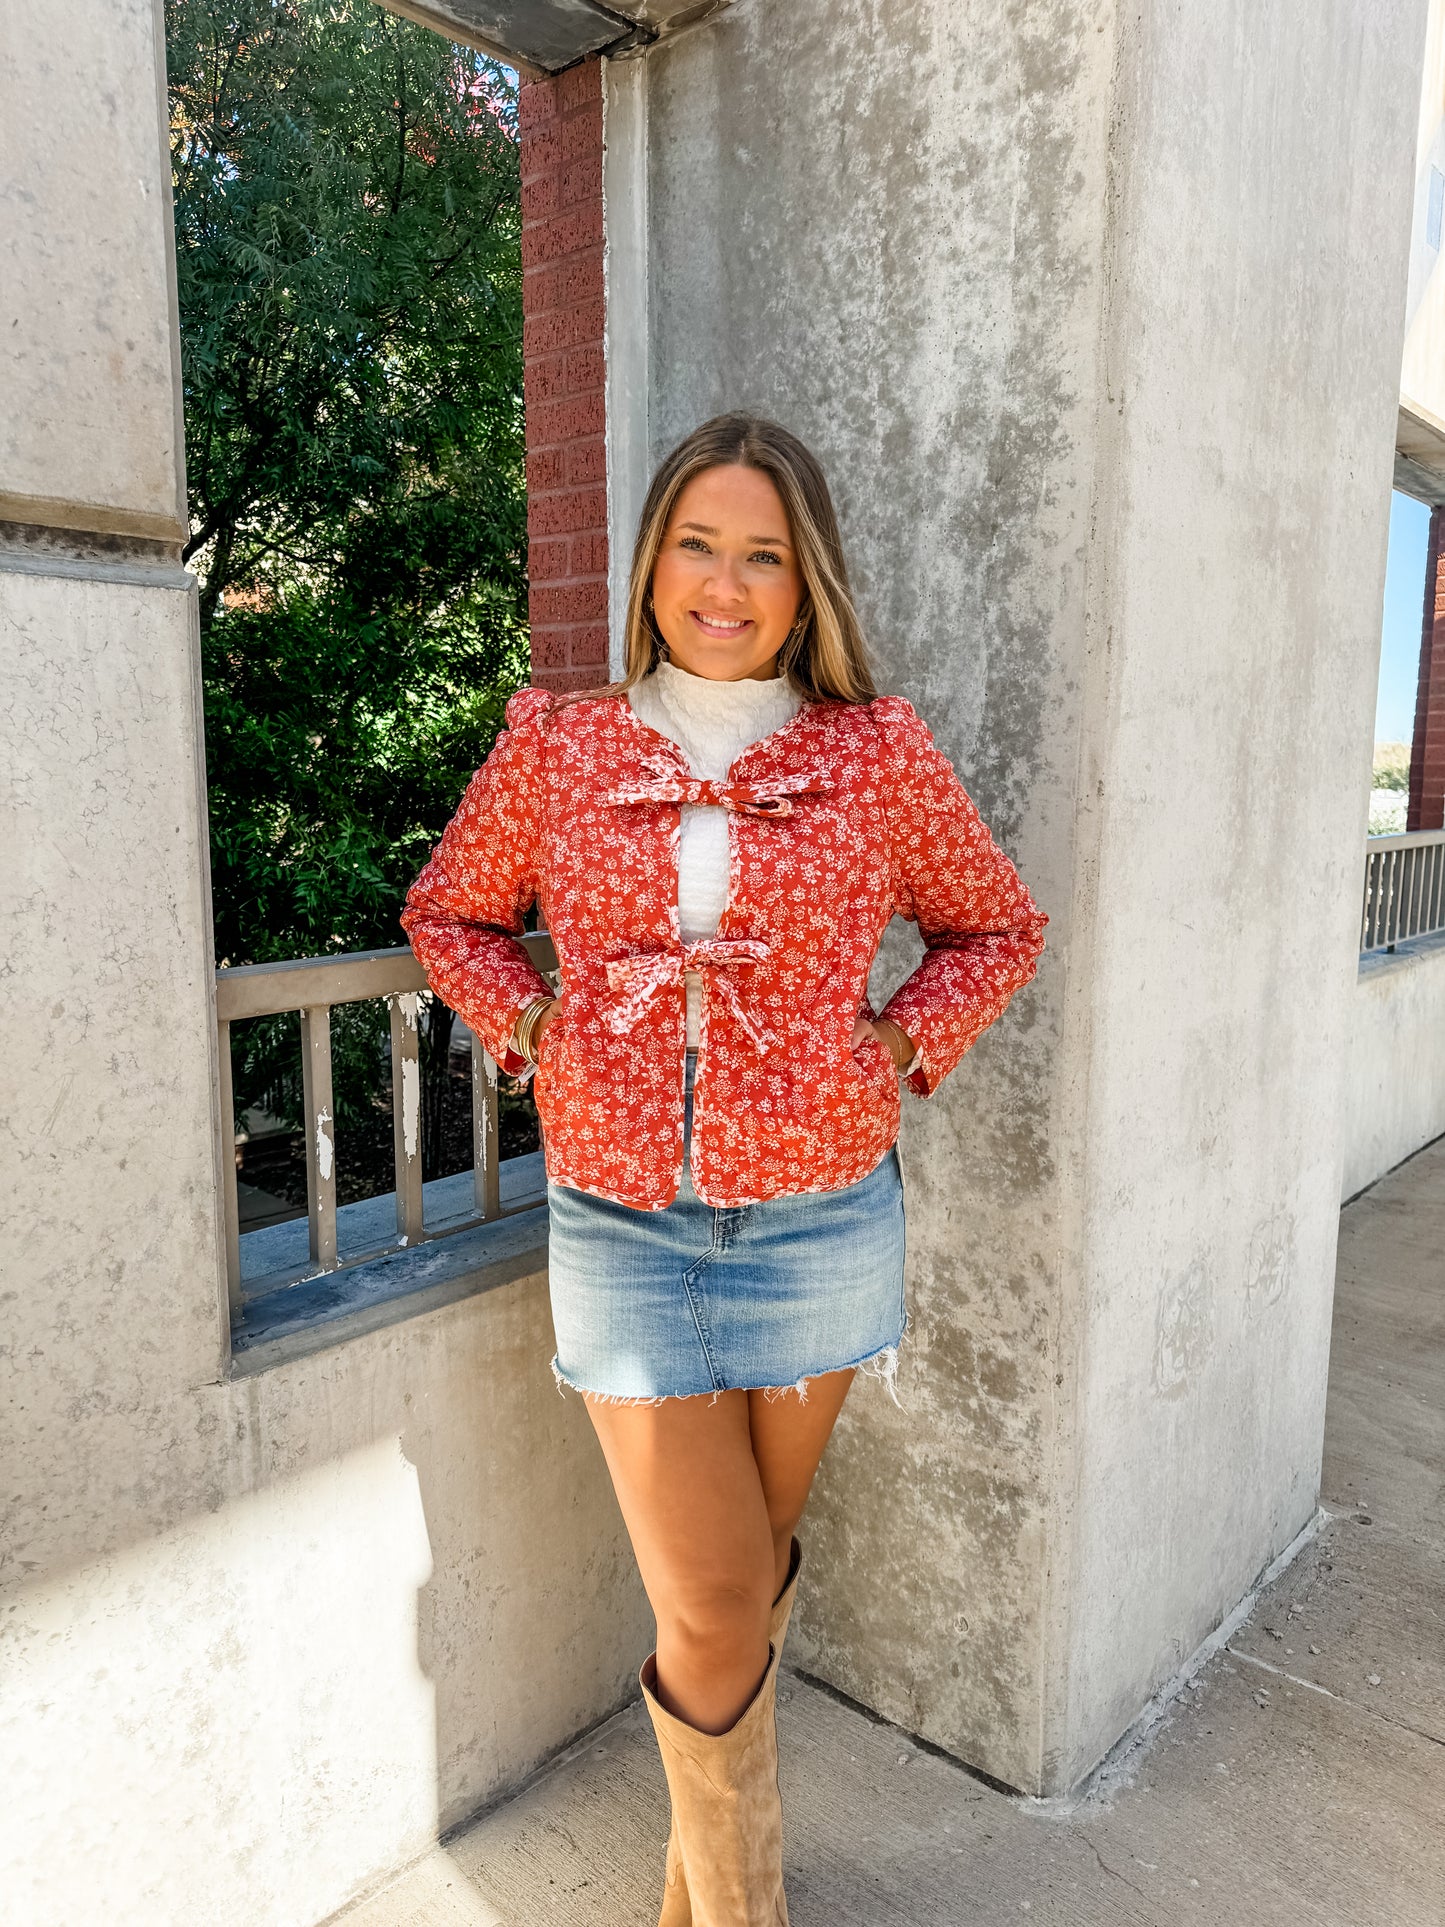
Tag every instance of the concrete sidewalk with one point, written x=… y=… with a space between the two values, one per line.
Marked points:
x=1300 y=1778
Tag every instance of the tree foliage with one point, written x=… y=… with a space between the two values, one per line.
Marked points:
x=347 y=215
x=1392 y=766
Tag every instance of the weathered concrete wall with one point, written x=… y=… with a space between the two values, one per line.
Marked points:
x=261 y=1636
x=1101 y=349
x=1243 y=483
x=1395 y=1075
x=90 y=433
x=877 y=238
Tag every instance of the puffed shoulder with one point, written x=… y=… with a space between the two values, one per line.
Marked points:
x=898 y=722
x=528 y=705
x=892 y=709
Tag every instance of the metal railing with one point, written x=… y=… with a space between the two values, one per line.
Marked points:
x=1404 y=888
x=311 y=986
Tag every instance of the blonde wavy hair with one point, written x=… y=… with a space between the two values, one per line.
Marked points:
x=825 y=656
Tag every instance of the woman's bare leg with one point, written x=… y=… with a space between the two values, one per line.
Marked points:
x=688 y=1486
x=789 y=1438
x=711 y=1491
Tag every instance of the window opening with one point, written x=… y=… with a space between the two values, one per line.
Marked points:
x=1399 y=662
x=1405 y=854
x=348 y=238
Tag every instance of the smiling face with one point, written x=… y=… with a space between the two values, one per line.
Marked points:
x=726 y=586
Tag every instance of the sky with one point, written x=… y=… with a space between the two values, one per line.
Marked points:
x=1404 y=609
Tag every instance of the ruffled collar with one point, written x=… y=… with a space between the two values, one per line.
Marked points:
x=713 y=722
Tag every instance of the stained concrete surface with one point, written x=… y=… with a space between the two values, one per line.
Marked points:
x=1299 y=1777
x=90 y=435
x=1092 y=313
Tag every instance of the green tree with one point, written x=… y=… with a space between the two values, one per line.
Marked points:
x=347 y=213
x=1392 y=766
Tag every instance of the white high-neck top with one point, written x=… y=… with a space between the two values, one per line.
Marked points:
x=712 y=723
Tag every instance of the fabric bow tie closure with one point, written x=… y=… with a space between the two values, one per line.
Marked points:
x=637 y=979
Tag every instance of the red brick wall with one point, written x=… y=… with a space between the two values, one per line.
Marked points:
x=562 y=344
x=1427 y=756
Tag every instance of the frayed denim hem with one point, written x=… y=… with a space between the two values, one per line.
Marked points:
x=882 y=1364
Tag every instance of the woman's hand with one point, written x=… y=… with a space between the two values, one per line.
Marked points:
x=542 y=1022
x=895 y=1040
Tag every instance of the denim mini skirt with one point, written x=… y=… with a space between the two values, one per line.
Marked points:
x=700 y=1298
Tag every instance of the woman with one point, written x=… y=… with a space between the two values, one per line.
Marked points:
x=717 y=843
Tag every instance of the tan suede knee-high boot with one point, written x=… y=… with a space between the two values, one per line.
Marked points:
x=677 y=1908
x=724 y=1790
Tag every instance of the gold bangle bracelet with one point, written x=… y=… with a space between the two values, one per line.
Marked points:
x=526 y=1024
x=526 y=1028
x=524 y=1036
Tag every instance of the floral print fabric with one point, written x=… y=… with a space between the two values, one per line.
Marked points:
x=844 y=817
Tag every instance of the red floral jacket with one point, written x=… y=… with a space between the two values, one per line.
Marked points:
x=844 y=817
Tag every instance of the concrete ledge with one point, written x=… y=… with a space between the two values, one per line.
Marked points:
x=93 y=520
x=296 y=1320
x=32 y=548
x=1404 y=956
x=278 y=1255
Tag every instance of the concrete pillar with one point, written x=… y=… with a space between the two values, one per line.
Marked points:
x=1426 y=809
x=1094 y=314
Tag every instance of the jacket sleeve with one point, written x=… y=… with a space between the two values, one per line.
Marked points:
x=982 y=931
x=464 y=913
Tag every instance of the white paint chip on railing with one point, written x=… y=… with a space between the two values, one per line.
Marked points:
x=409 y=1007
x=410 y=1105
x=323 y=1145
